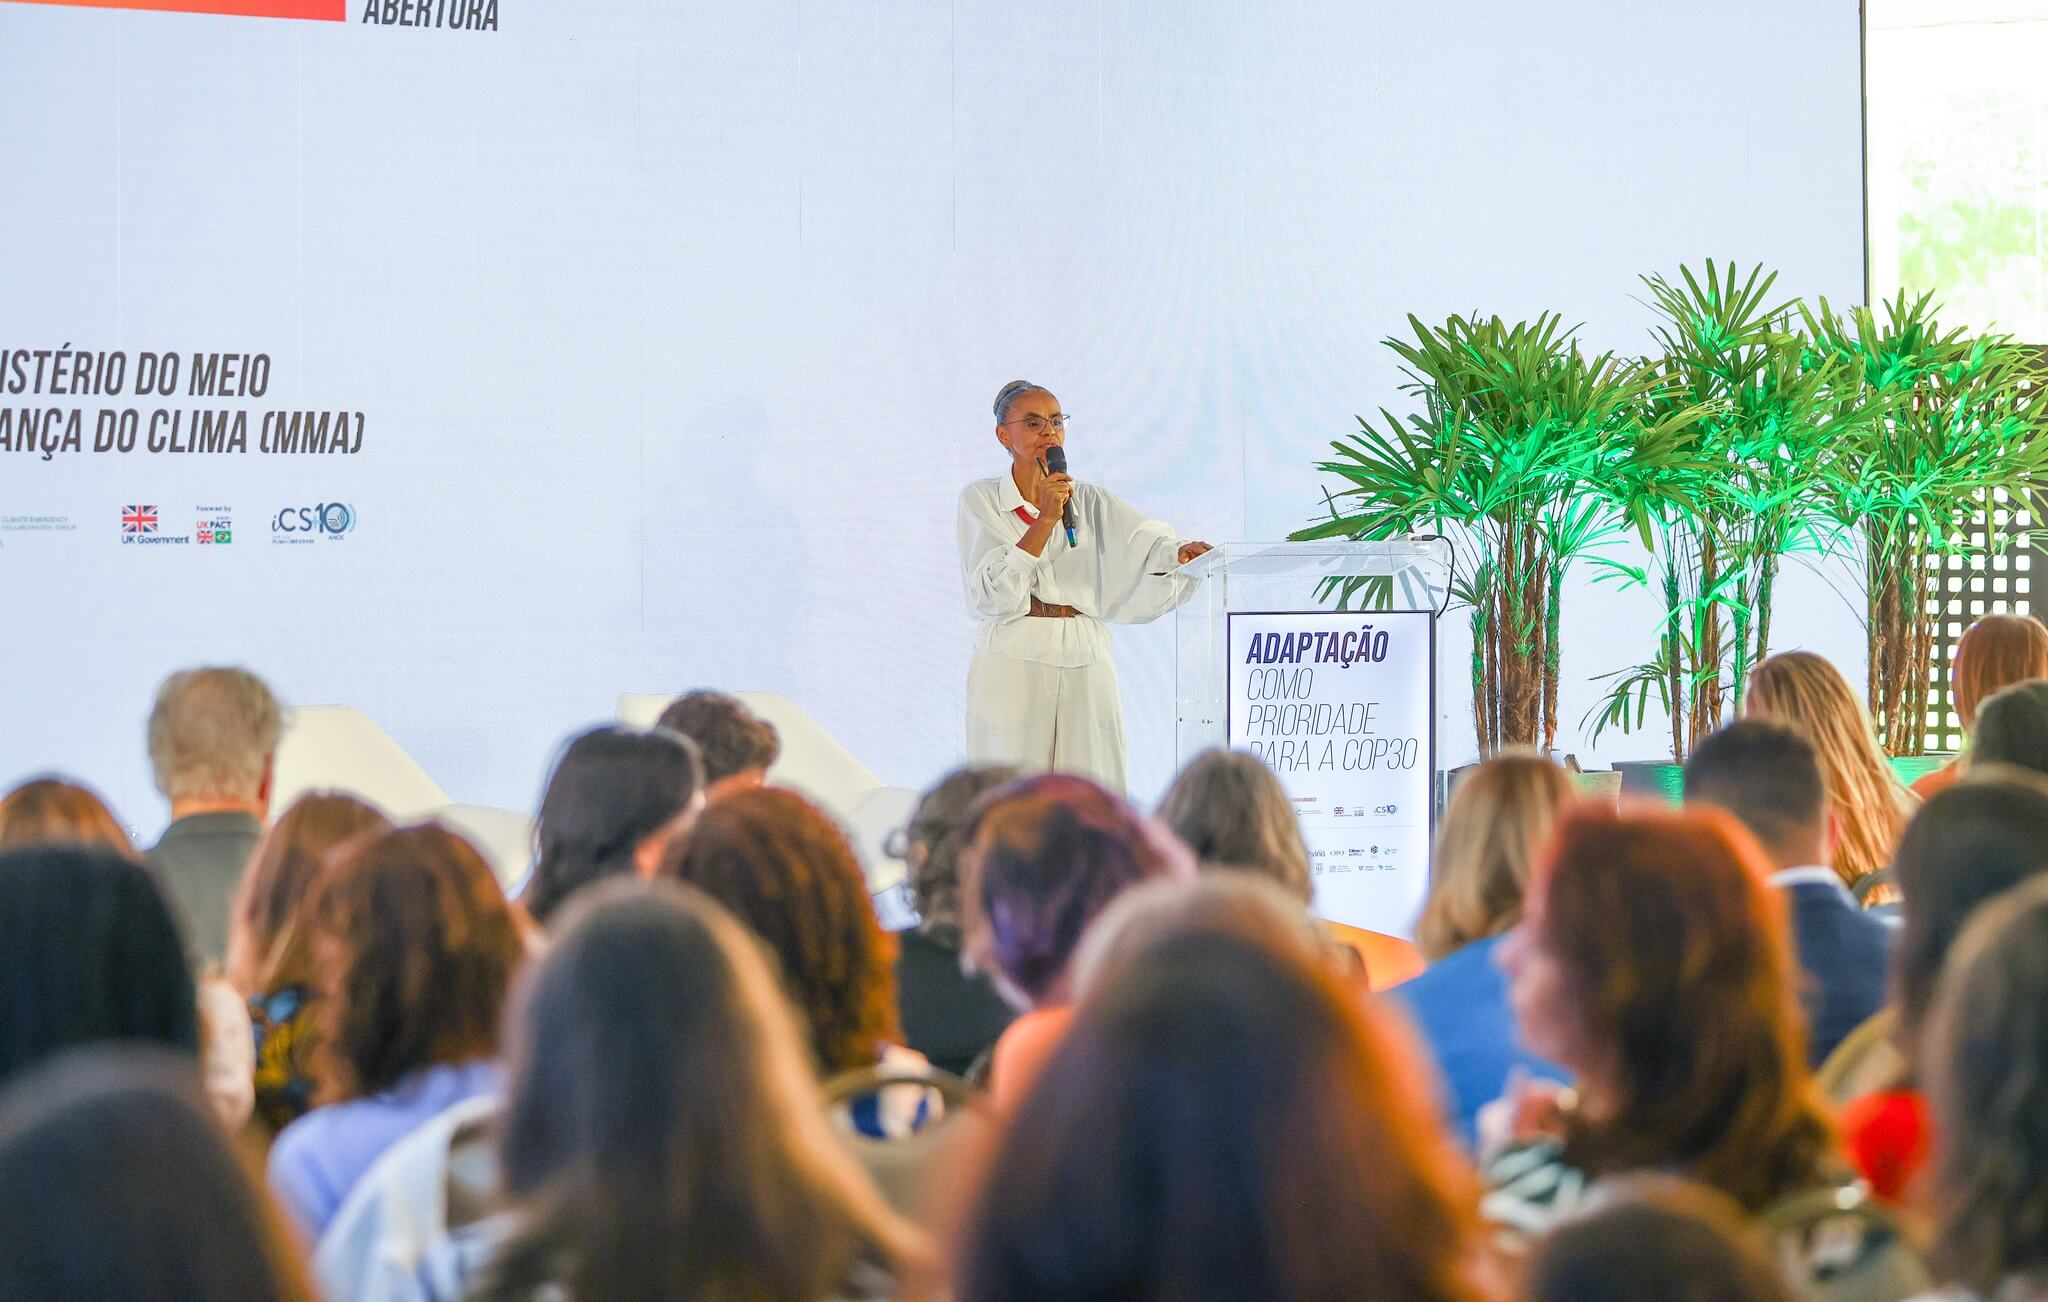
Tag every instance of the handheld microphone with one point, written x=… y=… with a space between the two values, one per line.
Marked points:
x=1056 y=463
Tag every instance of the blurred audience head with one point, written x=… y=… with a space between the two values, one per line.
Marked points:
x=738 y=746
x=1644 y=927
x=116 y=1181
x=1228 y=809
x=1994 y=653
x=1499 y=816
x=1222 y=1120
x=1226 y=901
x=1046 y=854
x=1656 y=1239
x=933 y=841
x=1769 y=777
x=269 y=943
x=663 y=1135
x=1986 y=1056
x=45 y=811
x=414 y=948
x=1808 y=695
x=1966 y=845
x=615 y=800
x=91 y=953
x=213 y=737
x=2012 y=728
x=786 y=871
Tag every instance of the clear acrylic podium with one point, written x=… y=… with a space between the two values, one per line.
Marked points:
x=1284 y=576
x=1320 y=658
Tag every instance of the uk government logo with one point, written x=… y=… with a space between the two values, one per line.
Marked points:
x=322 y=521
x=142 y=525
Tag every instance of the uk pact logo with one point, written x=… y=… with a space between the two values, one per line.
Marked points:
x=216 y=527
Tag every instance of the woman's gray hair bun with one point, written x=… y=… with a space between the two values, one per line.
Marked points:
x=1006 y=397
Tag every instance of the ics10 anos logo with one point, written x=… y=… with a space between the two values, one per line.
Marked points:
x=329 y=521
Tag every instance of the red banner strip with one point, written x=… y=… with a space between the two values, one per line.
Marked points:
x=332 y=11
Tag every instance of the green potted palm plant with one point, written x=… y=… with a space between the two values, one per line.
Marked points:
x=1771 y=412
x=1528 y=456
x=1964 y=433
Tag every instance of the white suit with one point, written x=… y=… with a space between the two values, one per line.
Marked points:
x=1041 y=693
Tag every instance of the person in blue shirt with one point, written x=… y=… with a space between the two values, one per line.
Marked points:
x=1499 y=816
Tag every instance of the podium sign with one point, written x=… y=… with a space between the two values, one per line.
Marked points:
x=1282 y=650
x=1340 y=705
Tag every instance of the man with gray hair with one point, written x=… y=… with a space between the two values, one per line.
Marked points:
x=212 y=742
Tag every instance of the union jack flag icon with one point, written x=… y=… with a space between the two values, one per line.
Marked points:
x=138 y=519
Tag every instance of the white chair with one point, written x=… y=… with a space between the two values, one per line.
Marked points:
x=814 y=764
x=337 y=748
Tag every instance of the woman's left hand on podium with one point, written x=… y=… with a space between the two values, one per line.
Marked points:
x=1190 y=550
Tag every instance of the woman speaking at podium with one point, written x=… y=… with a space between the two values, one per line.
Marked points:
x=1047 y=563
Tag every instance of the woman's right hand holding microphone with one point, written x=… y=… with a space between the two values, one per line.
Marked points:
x=1052 y=495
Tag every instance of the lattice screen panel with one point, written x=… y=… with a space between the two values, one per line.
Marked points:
x=1993 y=576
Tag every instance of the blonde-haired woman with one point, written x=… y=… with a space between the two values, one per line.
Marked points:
x=1499 y=817
x=1993 y=654
x=1233 y=813
x=1808 y=695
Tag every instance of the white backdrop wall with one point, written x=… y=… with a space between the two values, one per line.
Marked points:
x=674 y=325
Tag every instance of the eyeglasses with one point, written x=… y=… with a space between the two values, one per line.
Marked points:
x=1039 y=424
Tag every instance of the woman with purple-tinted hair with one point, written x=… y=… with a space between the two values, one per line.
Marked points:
x=1046 y=855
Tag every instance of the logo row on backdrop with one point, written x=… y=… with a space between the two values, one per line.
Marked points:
x=144 y=524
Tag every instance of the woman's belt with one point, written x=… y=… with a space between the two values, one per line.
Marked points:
x=1046 y=610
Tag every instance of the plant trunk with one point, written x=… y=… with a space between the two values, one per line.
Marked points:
x=1766 y=592
x=1873 y=621
x=1739 y=661
x=1481 y=734
x=1919 y=624
x=1522 y=640
x=1505 y=683
x=1706 y=688
x=1493 y=670
x=1674 y=650
x=1516 y=645
x=1535 y=602
x=1491 y=695
x=1891 y=638
x=1498 y=635
x=1552 y=652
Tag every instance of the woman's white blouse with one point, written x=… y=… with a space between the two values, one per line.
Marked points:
x=1119 y=570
